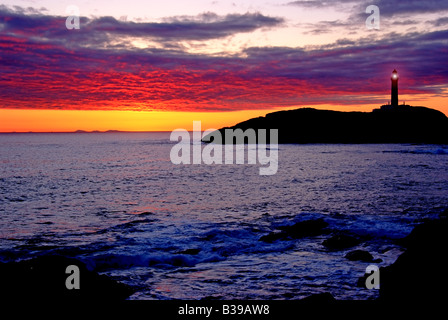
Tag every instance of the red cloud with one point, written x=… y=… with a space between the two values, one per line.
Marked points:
x=66 y=70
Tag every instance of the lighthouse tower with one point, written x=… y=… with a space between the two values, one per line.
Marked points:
x=394 y=90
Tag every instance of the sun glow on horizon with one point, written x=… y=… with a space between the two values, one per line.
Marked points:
x=18 y=120
x=30 y=120
x=158 y=66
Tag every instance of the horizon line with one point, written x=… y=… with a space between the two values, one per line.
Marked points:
x=84 y=131
x=81 y=131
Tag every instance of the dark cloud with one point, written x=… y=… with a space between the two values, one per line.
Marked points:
x=318 y=3
x=393 y=8
x=323 y=27
x=203 y=27
x=407 y=22
x=440 y=22
x=106 y=30
x=387 y=8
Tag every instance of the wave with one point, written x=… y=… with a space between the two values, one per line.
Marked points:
x=162 y=260
x=438 y=151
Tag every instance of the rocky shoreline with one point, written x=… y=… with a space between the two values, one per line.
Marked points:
x=402 y=124
x=416 y=276
x=44 y=279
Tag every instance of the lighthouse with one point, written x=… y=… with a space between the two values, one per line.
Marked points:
x=392 y=105
x=394 y=90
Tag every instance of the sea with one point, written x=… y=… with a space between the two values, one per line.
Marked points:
x=192 y=231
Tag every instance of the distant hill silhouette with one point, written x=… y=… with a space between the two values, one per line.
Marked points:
x=97 y=131
x=400 y=124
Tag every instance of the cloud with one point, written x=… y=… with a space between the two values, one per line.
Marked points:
x=323 y=27
x=203 y=27
x=43 y=69
x=107 y=30
x=439 y=22
x=387 y=8
x=318 y=3
x=393 y=8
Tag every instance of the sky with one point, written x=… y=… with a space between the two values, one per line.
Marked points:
x=158 y=65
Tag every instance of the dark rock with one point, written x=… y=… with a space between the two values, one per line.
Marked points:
x=444 y=214
x=190 y=251
x=43 y=279
x=419 y=273
x=145 y=213
x=401 y=124
x=359 y=255
x=341 y=241
x=302 y=229
x=425 y=234
x=362 y=281
x=273 y=236
x=307 y=228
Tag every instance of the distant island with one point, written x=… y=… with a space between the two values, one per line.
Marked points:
x=389 y=124
x=97 y=131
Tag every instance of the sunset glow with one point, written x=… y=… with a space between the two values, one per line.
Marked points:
x=217 y=62
x=72 y=120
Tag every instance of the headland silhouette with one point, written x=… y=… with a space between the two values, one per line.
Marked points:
x=391 y=123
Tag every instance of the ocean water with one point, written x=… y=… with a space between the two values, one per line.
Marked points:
x=116 y=202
